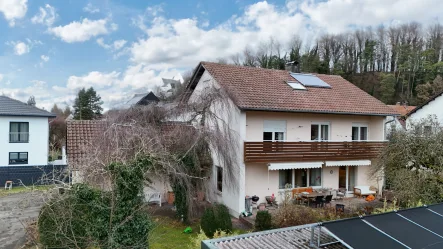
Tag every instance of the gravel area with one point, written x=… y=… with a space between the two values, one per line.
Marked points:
x=16 y=210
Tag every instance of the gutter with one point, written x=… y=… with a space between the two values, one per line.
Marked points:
x=323 y=112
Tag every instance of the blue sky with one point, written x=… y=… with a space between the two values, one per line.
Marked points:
x=52 y=48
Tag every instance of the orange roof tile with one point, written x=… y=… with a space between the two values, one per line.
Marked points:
x=402 y=109
x=266 y=89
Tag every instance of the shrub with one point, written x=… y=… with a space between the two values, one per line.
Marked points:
x=216 y=218
x=295 y=215
x=263 y=221
x=86 y=217
x=197 y=240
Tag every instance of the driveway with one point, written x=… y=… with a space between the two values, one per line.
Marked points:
x=15 y=211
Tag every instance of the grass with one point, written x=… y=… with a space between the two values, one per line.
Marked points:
x=168 y=234
x=21 y=189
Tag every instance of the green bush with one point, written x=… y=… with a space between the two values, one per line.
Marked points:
x=86 y=217
x=216 y=218
x=263 y=221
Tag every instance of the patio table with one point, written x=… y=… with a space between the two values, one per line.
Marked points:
x=311 y=196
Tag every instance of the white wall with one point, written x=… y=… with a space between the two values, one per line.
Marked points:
x=37 y=147
x=298 y=125
x=233 y=195
x=433 y=108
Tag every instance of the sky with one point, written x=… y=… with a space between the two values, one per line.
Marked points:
x=50 y=48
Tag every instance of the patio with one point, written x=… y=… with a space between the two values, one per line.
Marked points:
x=352 y=205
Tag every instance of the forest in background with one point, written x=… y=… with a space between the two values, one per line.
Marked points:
x=400 y=63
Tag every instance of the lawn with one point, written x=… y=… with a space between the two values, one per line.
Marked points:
x=21 y=189
x=168 y=234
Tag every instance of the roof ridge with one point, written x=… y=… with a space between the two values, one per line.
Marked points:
x=270 y=69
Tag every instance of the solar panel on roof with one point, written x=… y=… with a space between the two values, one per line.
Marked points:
x=310 y=80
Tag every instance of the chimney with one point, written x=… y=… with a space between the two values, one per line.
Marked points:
x=292 y=66
x=398 y=103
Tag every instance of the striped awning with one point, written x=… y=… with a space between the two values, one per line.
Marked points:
x=283 y=166
x=349 y=163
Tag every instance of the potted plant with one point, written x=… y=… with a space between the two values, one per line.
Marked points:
x=270 y=199
x=369 y=208
x=171 y=197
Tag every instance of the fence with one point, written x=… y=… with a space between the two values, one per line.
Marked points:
x=34 y=175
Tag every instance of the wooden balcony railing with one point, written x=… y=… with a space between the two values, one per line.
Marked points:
x=266 y=152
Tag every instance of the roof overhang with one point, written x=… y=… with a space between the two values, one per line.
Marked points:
x=322 y=112
x=29 y=115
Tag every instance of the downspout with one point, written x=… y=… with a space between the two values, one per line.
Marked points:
x=386 y=123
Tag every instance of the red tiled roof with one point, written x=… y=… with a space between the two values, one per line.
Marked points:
x=266 y=89
x=80 y=135
x=402 y=109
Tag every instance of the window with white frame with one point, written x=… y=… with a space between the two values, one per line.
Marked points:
x=274 y=130
x=359 y=132
x=295 y=178
x=320 y=132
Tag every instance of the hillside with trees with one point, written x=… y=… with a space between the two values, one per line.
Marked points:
x=399 y=63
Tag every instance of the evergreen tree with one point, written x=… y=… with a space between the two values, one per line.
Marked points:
x=87 y=105
x=31 y=101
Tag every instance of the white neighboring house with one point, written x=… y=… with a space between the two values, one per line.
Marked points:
x=24 y=134
x=433 y=107
x=398 y=122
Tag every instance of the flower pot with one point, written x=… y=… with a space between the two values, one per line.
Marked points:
x=262 y=207
x=270 y=199
x=171 y=197
x=200 y=196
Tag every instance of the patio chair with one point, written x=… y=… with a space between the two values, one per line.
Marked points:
x=327 y=200
x=318 y=201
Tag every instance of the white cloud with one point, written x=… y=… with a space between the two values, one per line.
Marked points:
x=81 y=31
x=45 y=16
x=44 y=58
x=13 y=9
x=38 y=83
x=21 y=48
x=95 y=79
x=119 y=44
x=91 y=8
x=115 y=46
x=171 y=43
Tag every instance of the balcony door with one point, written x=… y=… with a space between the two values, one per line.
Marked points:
x=346 y=177
x=320 y=132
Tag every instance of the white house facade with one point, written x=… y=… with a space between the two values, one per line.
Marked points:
x=316 y=131
x=432 y=108
x=24 y=134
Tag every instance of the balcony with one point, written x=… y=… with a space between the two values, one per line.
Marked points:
x=19 y=137
x=266 y=152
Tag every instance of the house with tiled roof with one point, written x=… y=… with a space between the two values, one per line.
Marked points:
x=431 y=108
x=24 y=132
x=398 y=122
x=293 y=130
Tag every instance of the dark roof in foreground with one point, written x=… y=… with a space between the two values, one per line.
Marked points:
x=13 y=107
x=420 y=227
x=266 y=90
x=288 y=238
